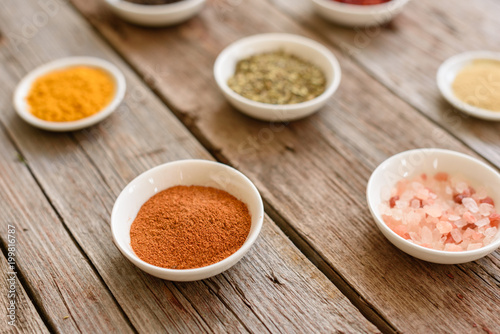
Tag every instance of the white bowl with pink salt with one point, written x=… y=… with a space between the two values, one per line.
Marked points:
x=437 y=205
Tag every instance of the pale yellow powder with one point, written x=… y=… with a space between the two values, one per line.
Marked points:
x=478 y=84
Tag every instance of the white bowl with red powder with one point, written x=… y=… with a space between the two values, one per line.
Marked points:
x=185 y=173
x=437 y=205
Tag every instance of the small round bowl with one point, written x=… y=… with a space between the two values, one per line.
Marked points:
x=410 y=163
x=449 y=70
x=24 y=86
x=357 y=15
x=187 y=173
x=302 y=47
x=156 y=15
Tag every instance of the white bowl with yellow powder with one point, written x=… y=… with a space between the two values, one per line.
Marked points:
x=70 y=93
x=470 y=82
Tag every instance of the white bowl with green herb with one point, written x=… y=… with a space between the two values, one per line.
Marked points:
x=306 y=58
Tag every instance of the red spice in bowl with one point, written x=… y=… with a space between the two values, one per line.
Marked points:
x=186 y=227
x=442 y=213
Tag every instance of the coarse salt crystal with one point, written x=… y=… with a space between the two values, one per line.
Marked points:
x=485 y=209
x=433 y=210
x=412 y=218
x=401 y=230
x=481 y=193
x=456 y=235
x=474 y=246
x=487 y=240
x=452 y=248
x=461 y=187
x=469 y=217
x=460 y=223
x=490 y=232
x=432 y=220
x=402 y=204
x=449 y=190
x=397 y=214
x=468 y=234
x=444 y=227
x=415 y=203
x=482 y=222
x=477 y=236
x=441 y=213
x=470 y=204
x=426 y=235
x=415 y=237
x=417 y=186
x=423 y=194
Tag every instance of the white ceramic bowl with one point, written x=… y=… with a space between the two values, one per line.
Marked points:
x=184 y=172
x=302 y=47
x=24 y=86
x=356 y=15
x=449 y=70
x=156 y=15
x=410 y=163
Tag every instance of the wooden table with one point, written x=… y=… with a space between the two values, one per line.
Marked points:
x=320 y=264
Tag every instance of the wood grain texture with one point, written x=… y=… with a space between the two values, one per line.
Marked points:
x=273 y=289
x=26 y=318
x=406 y=54
x=313 y=172
x=62 y=282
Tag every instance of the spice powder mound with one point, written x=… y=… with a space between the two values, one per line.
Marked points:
x=186 y=227
x=478 y=84
x=277 y=78
x=70 y=94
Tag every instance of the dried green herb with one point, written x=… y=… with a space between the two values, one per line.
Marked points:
x=277 y=78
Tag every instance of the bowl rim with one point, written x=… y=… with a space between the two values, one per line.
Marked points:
x=428 y=251
x=279 y=37
x=155 y=9
x=463 y=59
x=349 y=8
x=24 y=86
x=228 y=261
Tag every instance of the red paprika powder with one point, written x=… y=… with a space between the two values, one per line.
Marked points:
x=187 y=227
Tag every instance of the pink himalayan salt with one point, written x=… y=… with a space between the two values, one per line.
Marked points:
x=441 y=212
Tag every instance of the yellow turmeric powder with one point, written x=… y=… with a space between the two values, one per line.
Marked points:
x=70 y=94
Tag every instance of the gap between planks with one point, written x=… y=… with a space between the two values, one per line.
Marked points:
x=20 y=276
x=27 y=287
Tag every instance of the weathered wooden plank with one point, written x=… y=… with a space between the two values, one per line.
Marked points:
x=273 y=289
x=19 y=316
x=313 y=172
x=63 y=283
x=406 y=55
